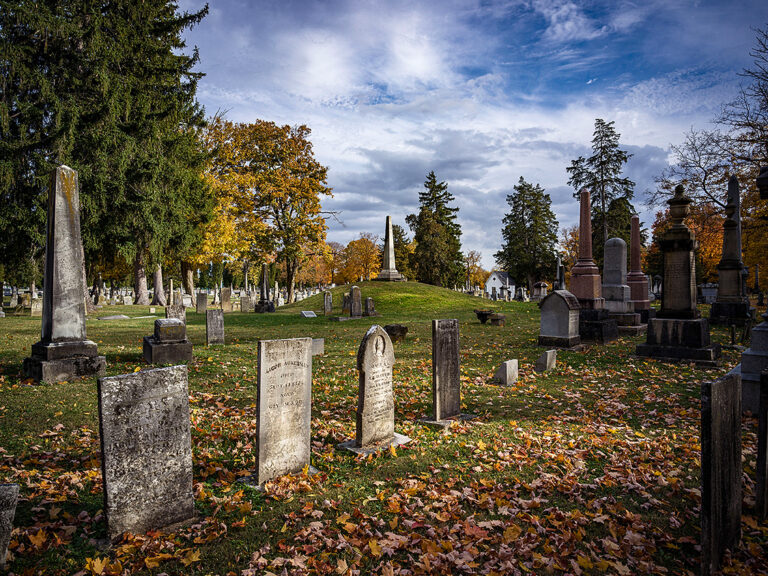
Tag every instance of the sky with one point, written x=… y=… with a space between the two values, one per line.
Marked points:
x=482 y=92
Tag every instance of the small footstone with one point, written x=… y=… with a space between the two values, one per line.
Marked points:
x=506 y=375
x=308 y=314
x=546 y=361
x=9 y=495
x=115 y=317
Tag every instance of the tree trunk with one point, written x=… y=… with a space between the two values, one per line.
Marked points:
x=89 y=306
x=158 y=297
x=33 y=290
x=291 y=266
x=188 y=277
x=140 y=280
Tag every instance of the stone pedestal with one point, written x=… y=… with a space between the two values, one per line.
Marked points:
x=169 y=344
x=636 y=280
x=63 y=352
x=616 y=291
x=677 y=339
x=597 y=326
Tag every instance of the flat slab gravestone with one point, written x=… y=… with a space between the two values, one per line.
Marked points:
x=308 y=314
x=9 y=496
x=507 y=373
x=546 y=361
x=214 y=326
x=284 y=400
x=146 y=449
x=720 y=470
x=375 y=420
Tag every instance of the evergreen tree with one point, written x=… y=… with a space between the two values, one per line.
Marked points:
x=618 y=220
x=601 y=173
x=530 y=235
x=437 y=256
x=403 y=251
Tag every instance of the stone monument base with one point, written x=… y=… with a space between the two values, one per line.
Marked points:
x=397 y=440
x=572 y=343
x=263 y=306
x=629 y=323
x=750 y=387
x=646 y=315
x=156 y=352
x=728 y=313
x=595 y=325
x=676 y=340
x=390 y=275
x=60 y=361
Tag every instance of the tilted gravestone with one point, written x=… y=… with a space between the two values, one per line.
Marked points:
x=355 y=303
x=284 y=400
x=327 y=303
x=446 y=377
x=146 y=450
x=169 y=343
x=63 y=352
x=214 y=326
x=375 y=421
x=720 y=469
x=201 y=304
x=176 y=311
x=9 y=495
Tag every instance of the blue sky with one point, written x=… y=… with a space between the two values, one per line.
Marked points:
x=481 y=92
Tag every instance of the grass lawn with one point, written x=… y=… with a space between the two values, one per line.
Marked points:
x=593 y=468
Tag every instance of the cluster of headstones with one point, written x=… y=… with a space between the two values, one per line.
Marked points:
x=351 y=305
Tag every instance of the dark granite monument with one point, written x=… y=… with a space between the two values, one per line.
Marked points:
x=63 y=352
x=146 y=450
x=169 y=343
x=678 y=332
x=375 y=422
x=264 y=304
x=720 y=470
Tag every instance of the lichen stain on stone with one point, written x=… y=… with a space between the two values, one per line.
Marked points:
x=68 y=187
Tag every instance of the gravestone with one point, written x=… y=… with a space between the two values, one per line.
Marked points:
x=507 y=373
x=546 y=361
x=169 y=344
x=327 y=303
x=539 y=291
x=63 y=352
x=396 y=332
x=176 y=311
x=389 y=271
x=370 y=308
x=720 y=469
x=9 y=496
x=265 y=305
x=201 y=304
x=36 y=308
x=284 y=400
x=318 y=346
x=678 y=332
x=732 y=304
x=375 y=421
x=245 y=304
x=498 y=319
x=226 y=300
x=146 y=450
x=127 y=300
x=446 y=375
x=355 y=304
x=346 y=304
x=214 y=326
x=762 y=450
x=560 y=320
x=308 y=314
x=14 y=300
x=616 y=291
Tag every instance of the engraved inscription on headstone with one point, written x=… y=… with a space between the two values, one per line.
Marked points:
x=146 y=450
x=375 y=405
x=679 y=281
x=285 y=407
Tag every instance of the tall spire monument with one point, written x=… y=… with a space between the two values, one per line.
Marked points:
x=389 y=272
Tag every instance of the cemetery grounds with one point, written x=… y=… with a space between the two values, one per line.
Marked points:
x=593 y=468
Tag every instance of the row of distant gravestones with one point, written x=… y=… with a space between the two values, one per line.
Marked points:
x=146 y=438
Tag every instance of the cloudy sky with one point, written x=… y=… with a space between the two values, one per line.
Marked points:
x=482 y=92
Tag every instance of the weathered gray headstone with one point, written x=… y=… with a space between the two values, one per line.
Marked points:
x=318 y=346
x=63 y=352
x=176 y=311
x=169 y=343
x=560 y=320
x=214 y=326
x=506 y=375
x=355 y=303
x=201 y=304
x=327 y=303
x=346 y=303
x=370 y=308
x=36 y=308
x=284 y=400
x=226 y=299
x=245 y=304
x=720 y=469
x=375 y=422
x=446 y=377
x=546 y=361
x=146 y=450
x=9 y=495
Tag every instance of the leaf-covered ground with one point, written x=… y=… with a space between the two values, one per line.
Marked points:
x=593 y=468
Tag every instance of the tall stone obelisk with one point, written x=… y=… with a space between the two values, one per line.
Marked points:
x=637 y=281
x=63 y=352
x=389 y=271
x=732 y=305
